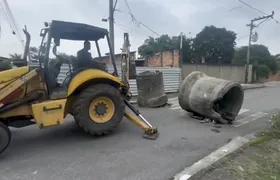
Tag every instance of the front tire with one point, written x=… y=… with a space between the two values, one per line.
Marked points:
x=5 y=137
x=99 y=109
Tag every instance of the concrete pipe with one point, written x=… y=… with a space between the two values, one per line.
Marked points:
x=151 y=91
x=210 y=97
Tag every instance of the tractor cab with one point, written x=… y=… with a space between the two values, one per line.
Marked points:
x=52 y=61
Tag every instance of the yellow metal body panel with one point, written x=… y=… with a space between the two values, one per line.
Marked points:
x=12 y=74
x=49 y=113
x=88 y=75
x=24 y=110
x=17 y=83
x=33 y=84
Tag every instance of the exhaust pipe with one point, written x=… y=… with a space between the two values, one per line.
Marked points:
x=23 y=61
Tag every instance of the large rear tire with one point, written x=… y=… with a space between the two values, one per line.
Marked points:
x=5 y=137
x=99 y=109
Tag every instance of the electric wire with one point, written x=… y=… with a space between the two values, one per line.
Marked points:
x=10 y=20
x=13 y=18
x=250 y=6
x=138 y=22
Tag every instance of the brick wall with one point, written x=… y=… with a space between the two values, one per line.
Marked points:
x=163 y=59
x=273 y=77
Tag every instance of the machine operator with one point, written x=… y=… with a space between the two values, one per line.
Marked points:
x=84 y=59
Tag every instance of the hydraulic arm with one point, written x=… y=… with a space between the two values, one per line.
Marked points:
x=131 y=113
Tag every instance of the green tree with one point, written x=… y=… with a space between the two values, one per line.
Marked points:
x=15 y=56
x=260 y=58
x=259 y=55
x=215 y=45
x=164 y=43
x=277 y=57
x=153 y=45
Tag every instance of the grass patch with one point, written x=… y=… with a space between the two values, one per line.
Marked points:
x=272 y=133
x=260 y=160
x=260 y=140
x=257 y=163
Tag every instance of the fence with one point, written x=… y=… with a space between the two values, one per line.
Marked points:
x=171 y=77
x=228 y=72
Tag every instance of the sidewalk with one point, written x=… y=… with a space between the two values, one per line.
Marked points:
x=252 y=86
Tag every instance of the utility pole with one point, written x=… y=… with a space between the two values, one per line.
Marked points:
x=111 y=25
x=126 y=59
x=181 y=50
x=252 y=26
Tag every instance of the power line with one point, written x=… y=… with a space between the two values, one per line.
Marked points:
x=11 y=21
x=6 y=16
x=138 y=22
x=149 y=28
x=276 y=21
x=13 y=18
x=266 y=20
x=121 y=26
x=8 y=21
x=237 y=7
x=1 y=33
x=116 y=2
x=252 y=7
x=242 y=37
x=257 y=10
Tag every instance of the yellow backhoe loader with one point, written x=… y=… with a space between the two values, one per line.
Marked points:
x=97 y=99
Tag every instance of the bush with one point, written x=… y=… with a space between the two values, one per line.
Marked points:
x=275 y=124
x=5 y=65
x=272 y=65
x=262 y=71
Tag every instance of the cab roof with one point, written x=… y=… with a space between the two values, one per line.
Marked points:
x=76 y=31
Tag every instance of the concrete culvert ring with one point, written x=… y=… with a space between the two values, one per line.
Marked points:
x=229 y=104
x=213 y=98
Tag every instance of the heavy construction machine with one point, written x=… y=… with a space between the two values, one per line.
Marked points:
x=97 y=99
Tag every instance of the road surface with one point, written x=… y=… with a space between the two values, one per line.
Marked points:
x=66 y=153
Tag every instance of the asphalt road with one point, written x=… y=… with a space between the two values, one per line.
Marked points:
x=64 y=152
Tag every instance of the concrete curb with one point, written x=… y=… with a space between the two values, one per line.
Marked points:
x=133 y=102
x=204 y=165
x=253 y=87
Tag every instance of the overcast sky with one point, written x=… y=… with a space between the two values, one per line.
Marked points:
x=162 y=16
